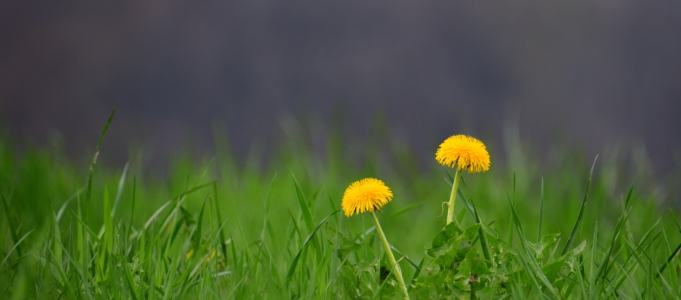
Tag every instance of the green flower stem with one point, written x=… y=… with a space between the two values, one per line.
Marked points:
x=452 y=197
x=396 y=267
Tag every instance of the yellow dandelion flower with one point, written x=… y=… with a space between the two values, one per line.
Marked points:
x=366 y=195
x=369 y=195
x=464 y=153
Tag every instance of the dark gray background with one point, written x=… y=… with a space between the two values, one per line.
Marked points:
x=596 y=73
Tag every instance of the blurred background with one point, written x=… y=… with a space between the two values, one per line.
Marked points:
x=586 y=73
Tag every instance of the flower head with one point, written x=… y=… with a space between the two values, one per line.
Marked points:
x=366 y=195
x=463 y=152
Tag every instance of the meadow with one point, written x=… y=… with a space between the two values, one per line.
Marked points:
x=219 y=227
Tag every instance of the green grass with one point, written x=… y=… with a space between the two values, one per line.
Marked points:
x=220 y=228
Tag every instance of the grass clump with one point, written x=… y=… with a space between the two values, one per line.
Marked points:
x=219 y=229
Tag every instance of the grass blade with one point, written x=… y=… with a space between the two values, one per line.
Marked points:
x=294 y=263
x=528 y=259
x=481 y=233
x=512 y=199
x=119 y=191
x=581 y=210
x=406 y=208
x=15 y=246
x=217 y=212
x=94 y=157
x=671 y=257
x=12 y=226
x=307 y=215
x=108 y=222
x=541 y=209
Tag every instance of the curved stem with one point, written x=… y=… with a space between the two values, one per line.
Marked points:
x=452 y=197
x=396 y=267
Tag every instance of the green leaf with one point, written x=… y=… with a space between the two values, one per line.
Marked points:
x=344 y=246
x=472 y=232
x=302 y=201
x=446 y=234
x=346 y=276
x=552 y=269
x=451 y=246
x=108 y=222
x=490 y=293
x=472 y=265
x=581 y=209
x=579 y=249
x=96 y=155
x=293 y=265
x=546 y=242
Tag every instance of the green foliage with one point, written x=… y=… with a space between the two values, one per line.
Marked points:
x=221 y=229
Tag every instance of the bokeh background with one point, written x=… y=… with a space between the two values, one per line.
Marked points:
x=587 y=73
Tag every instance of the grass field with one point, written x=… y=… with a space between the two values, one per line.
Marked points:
x=219 y=228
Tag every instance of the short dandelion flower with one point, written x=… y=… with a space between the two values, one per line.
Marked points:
x=366 y=195
x=463 y=153
x=369 y=195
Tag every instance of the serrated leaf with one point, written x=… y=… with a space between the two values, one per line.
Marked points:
x=546 y=242
x=472 y=232
x=449 y=232
x=343 y=244
x=473 y=265
x=489 y=293
x=347 y=276
x=446 y=254
x=552 y=269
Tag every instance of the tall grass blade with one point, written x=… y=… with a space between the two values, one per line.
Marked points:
x=11 y=250
x=66 y=204
x=57 y=252
x=541 y=209
x=307 y=214
x=513 y=220
x=568 y=245
x=108 y=222
x=406 y=208
x=132 y=205
x=294 y=263
x=669 y=260
x=156 y=214
x=130 y=282
x=527 y=257
x=12 y=225
x=197 y=233
x=194 y=189
x=119 y=191
x=481 y=233
x=605 y=262
x=216 y=202
x=96 y=155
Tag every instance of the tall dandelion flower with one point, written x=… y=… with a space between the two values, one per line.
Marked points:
x=366 y=195
x=464 y=153
x=369 y=195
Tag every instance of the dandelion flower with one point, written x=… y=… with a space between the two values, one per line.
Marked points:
x=369 y=195
x=464 y=153
x=366 y=195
